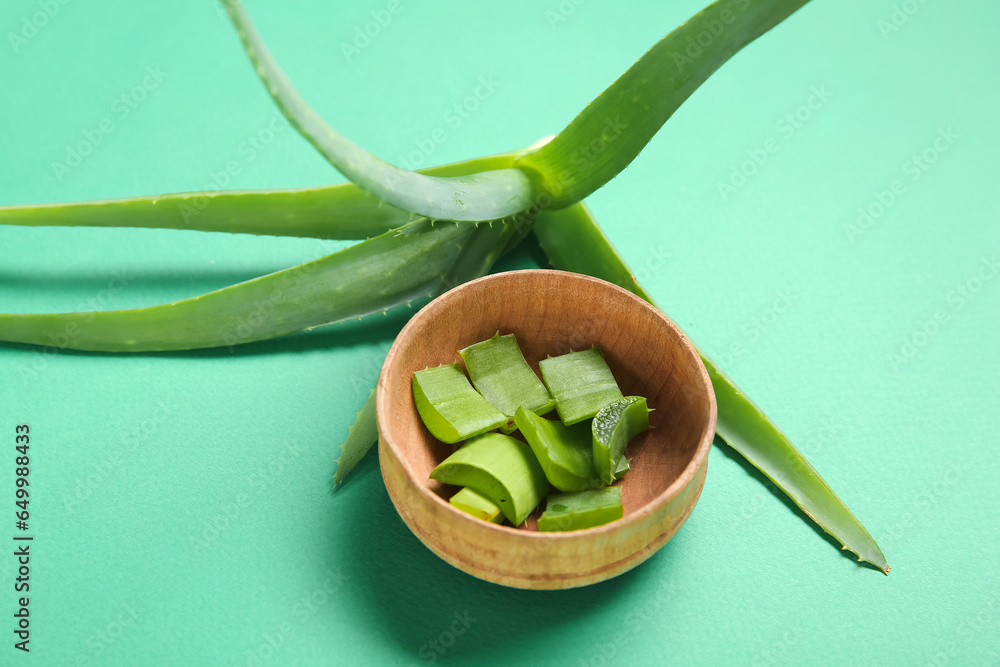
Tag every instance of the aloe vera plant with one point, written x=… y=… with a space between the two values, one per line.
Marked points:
x=424 y=232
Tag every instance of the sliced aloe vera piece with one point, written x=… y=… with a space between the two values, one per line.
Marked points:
x=476 y=505
x=583 y=509
x=500 y=373
x=449 y=407
x=581 y=383
x=613 y=427
x=500 y=468
x=564 y=452
x=624 y=465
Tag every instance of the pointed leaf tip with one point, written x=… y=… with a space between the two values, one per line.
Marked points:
x=360 y=438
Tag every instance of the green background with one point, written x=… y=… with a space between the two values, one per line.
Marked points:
x=135 y=458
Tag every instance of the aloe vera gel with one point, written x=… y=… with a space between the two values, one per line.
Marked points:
x=508 y=475
x=478 y=506
x=612 y=428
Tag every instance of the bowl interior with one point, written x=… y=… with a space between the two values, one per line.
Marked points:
x=552 y=313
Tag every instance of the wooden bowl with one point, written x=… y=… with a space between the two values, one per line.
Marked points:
x=551 y=313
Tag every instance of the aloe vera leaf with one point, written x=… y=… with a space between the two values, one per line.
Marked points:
x=500 y=373
x=502 y=469
x=564 y=452
x=360 y=438
x=581 y=383
x=449 y=407
x=611 y=131
x=580 y=510
x=489 y=195
x=573 y=241
x=613 y=427
x=478 y=253
x=369 y=277
x=326 y=291
x=342 y=211
x=754 y=436
x=476 y=505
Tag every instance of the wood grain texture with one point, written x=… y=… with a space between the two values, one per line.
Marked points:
x=551 y=313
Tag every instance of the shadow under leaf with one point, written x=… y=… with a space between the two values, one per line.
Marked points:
x=751 y=470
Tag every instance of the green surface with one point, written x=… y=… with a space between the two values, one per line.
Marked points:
x=135 y=458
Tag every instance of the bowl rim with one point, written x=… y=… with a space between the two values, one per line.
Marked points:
x=698 y=459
